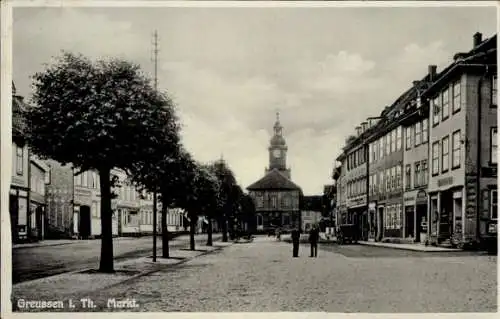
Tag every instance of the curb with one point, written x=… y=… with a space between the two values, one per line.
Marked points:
x=116 y=259
x=411 y=248
x=149 y=272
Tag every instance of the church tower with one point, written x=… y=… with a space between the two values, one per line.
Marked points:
x=277 y=150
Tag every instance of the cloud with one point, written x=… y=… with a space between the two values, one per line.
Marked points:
x=230 y=70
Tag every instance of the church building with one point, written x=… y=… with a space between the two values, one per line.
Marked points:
x=275 y=196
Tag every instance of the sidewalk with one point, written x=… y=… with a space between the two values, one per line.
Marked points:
x=414 y=247
x=59 y=242
x=83 y=283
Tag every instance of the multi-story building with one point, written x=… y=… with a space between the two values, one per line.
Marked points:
x=432 y=157
x=339 y=177
x=39 y=177
x=463 y=146
x=356 y=157
x=275 y=196
x=415 y=124
x=19 y=185
x=385 y=172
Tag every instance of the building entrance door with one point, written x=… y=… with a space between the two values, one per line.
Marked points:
x=84 y=222
x=409 y=221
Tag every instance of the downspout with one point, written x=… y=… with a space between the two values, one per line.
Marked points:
x=479 y=157
x=28 y=197
x=367 y=190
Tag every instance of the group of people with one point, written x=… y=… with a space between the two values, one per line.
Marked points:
x=313 y=240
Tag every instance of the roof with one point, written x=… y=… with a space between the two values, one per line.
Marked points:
x=273 y=180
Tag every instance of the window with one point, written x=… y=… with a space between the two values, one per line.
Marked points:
x=456 y=97
x=370 y=182
x=381 y=147
x=388 y=180
x=494 y=145
x=85 y=179
x=19 y=160
x=381 y=181
x=94 y=179
x=455 y=155
x=417 y=175
x=399 y=138
x=435 y=111
x=445 y=108
x=273 y=202
x=370 y=153
x=398 y=177
x=425 y=172
x=445 y=154
x=408 y=176
x=425 y=130
x=387 y=139
x=494 y=91
x=393 y=141
x=494 y=205
x=418 y=134
x=393 y=178
x=435 y=158
x=94 y=209
x=408 y=137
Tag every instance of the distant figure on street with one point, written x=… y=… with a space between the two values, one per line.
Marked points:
x=295 y=241
x=313 y=239
x=278 y=234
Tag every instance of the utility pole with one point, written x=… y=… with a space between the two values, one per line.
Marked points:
x=155 y=194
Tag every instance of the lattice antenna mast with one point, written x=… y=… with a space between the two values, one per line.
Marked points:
x=155 y=58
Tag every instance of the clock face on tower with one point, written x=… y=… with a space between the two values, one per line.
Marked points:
x=277 y=153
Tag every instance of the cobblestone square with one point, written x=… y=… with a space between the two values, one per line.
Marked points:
x=262 y=276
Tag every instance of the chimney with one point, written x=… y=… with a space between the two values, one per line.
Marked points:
x=478 y=38
x=358 y=130
x=364 y=126
x=432 y=72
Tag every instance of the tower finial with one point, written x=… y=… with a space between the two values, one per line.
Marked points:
x=277 y=116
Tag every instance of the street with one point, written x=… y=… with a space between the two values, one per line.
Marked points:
x=262 y=276
x=38 y=262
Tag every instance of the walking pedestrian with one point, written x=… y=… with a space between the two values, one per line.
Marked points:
x=295 y=241
x=313 y=240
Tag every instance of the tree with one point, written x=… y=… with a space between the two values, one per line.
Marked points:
x=98 y=115
x=247 y=214
x=209 y=201
x=228 y=195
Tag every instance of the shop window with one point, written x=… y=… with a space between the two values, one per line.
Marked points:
x=493 y=146
x=494 y=102
x=494 y=205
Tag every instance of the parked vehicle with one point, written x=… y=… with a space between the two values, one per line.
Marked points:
x=347 y=233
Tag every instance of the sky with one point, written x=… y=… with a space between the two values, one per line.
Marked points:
x=229 y=70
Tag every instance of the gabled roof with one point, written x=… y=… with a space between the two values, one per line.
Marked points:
x=273 y=180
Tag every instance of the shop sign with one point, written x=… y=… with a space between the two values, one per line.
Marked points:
x=356 y=201
x=489 y=171
x=372 y=206
x=409 y=199
x=421 y=197
x=471 y=199
x=445 y=181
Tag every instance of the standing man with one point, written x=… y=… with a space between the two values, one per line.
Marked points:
x=313 y=239
x=295 y=241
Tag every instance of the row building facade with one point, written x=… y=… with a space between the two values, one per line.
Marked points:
x=425 y=170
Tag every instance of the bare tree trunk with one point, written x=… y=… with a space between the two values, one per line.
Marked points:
x=224 y=229
x=191 y=233
x=164 y=231
x=106 y=264
x=209 y=232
